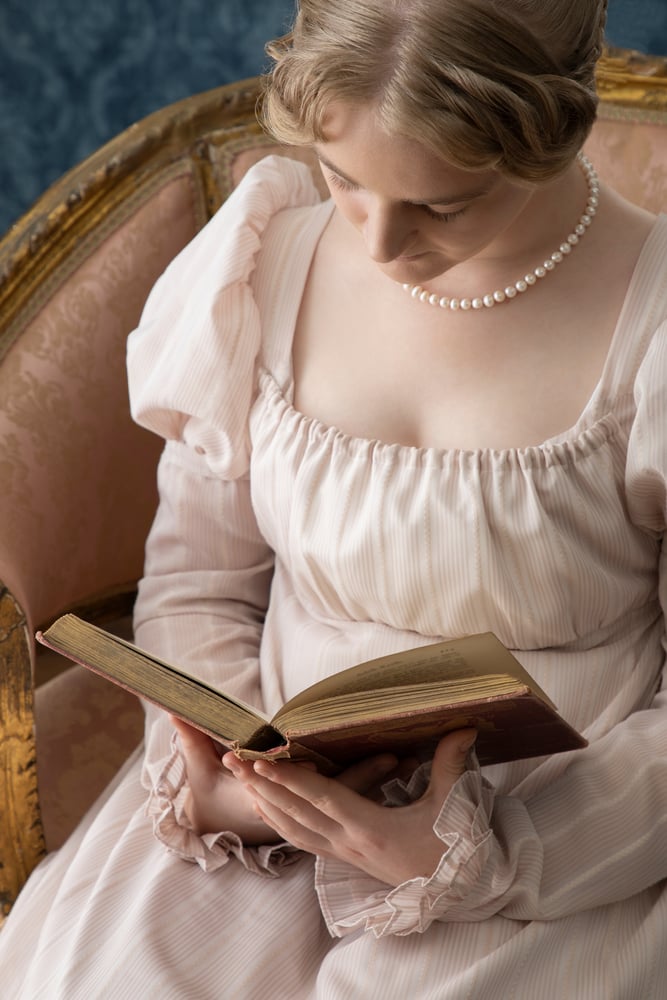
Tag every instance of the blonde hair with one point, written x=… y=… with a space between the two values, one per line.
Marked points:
x=508 y=84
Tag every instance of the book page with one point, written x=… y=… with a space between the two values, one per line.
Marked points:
x=152 y=678
x=381 y=704
x=479 y=658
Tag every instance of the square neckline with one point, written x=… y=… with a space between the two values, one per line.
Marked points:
x=590 y=421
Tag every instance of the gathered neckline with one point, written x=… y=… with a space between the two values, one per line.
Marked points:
x=579 y=442
x=603 y=408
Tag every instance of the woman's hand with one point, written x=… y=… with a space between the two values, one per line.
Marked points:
x=216 y=800
x=330 y=817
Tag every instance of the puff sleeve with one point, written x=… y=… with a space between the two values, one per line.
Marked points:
x=191 y=361
x=208 y=570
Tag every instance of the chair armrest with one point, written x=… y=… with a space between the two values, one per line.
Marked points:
x=21 y=835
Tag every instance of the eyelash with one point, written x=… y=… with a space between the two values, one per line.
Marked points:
x=443 y=216
x=344 y=185
x=340 y=182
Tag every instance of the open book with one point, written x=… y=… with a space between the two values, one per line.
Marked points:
x=402 y=703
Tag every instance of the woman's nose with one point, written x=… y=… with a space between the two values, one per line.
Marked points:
x=388 y=231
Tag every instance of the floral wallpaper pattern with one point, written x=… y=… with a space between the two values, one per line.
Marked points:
x=74 y=73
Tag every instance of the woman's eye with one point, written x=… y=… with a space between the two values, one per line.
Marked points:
x=340 y=182
x=443 y=216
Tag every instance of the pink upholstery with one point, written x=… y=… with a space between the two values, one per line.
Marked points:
x=629 y=149
x=83 y=756
x=78 y=479
x=77 y=475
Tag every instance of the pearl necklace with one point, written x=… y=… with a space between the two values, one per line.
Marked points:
x=523 y=284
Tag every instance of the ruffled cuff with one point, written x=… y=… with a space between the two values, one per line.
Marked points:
x=211 y=851
x=352 y=901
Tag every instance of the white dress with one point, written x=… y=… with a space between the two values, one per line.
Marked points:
x=285 y=550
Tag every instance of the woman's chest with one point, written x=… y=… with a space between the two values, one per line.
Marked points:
x=379 y=364
x=534 y=544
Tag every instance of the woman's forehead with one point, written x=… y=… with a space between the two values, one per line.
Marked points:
x=359 y=149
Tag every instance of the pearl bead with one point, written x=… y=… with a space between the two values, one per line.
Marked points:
x=523 y=284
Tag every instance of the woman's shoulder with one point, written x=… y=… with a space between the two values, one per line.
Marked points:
x=191 y=360
x=625 y=226
x=225 y=249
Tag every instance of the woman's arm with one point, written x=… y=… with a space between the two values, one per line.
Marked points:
x=203 y=597
x=201 y=604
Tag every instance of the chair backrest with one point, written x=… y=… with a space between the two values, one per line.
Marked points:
x=629 y=141
x=78 y=478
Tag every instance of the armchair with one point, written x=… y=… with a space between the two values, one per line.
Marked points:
x=78 y=476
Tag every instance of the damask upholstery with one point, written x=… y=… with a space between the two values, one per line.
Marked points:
x=630 y=152
x=78 y=477
x=83 y=755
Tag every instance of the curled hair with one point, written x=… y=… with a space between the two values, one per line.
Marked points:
x=507 y=84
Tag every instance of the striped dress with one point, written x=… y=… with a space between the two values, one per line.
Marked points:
x=283 y=551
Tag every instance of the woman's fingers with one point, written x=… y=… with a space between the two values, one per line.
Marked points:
x=296 y=791
x=449 y=763
x=303 y=828
x=335 y=817
x=199 y=750
x=314 y=813
x=365 y=775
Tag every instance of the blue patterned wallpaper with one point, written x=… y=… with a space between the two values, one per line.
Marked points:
x=74 y=73
x=638 y=24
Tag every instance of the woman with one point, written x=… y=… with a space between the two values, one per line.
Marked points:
x=429 y=406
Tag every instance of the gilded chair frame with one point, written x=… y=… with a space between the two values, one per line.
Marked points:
x=213 y=137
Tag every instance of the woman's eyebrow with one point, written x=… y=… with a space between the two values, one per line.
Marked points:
x=439 y=200
x=334 y=169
